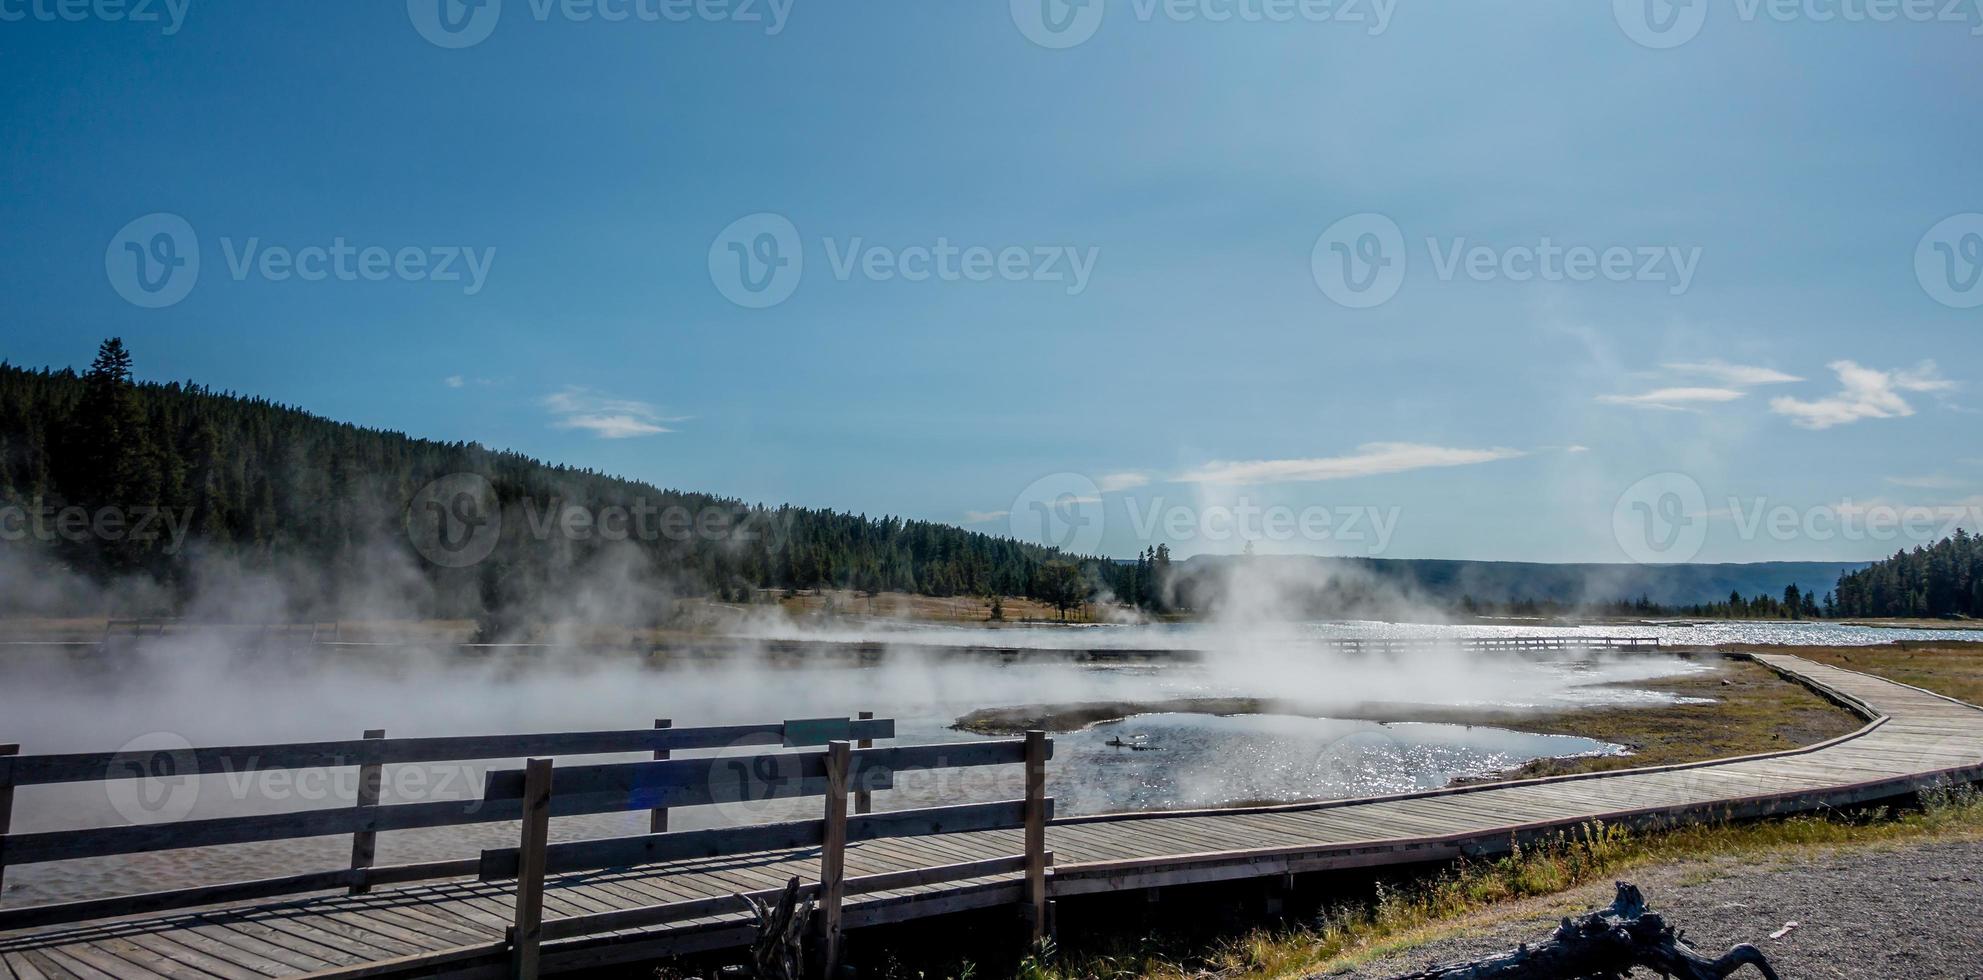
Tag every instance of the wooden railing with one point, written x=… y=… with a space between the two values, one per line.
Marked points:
x=833 y=774
x=363 y=821
x=1480 y=643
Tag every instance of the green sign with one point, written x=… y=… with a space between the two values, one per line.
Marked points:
x=817 y=731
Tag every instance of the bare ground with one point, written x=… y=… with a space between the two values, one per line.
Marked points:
x=1891 y=911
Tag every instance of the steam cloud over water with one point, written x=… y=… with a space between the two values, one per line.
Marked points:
x=213 y=684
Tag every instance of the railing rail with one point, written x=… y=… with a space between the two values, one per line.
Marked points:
x=33 y=770
x=1359 y=644
x=363 y=821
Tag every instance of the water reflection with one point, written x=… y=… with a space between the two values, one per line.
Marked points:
x=1176 y=761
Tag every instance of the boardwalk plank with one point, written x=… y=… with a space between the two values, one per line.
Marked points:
x=184 y=947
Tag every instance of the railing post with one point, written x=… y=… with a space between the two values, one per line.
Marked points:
x=863 y=799
x=364 y=843
x=1036 y=831
x=527 y=933
x=6 y=804
x=657 y=821
x=833 y=856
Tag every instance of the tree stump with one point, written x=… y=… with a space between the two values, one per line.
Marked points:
x=779 y=952
x=1605 y=945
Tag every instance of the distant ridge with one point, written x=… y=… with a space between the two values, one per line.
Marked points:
x=1448 y=580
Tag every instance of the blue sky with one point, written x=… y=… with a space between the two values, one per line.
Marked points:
x=1111 y=269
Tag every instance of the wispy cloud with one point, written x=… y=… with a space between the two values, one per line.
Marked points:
x=1371 y=459
x=454 y=381
x=1111 y=482
x=1865 y=393
x=1727 y=384
x=1674 y=399
x=985 y=516
x=1736 y=375
x=607 y=418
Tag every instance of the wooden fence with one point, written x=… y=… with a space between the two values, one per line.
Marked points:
x=833 y=773
x=836 y=760
x=1492 y=643
x=363 y=822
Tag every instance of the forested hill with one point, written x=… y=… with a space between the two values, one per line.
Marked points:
x=269 y=488
x=1374 y=586
x=1940 y=580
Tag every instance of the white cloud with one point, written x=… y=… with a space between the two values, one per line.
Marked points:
x=1111 y=482
x=1728 y=382
x=454 y=381
x=608 y=418
x=985 y=516
x=1736 y=375
x=1370 y=459
x=1674 y=399
x=1865 y=393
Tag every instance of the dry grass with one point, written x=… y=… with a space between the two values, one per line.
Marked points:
x=1754 y=710
x=1951 y=668
x=1469 y=894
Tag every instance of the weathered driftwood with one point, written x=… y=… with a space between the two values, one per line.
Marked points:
x=779 y=952
x=1605 y=945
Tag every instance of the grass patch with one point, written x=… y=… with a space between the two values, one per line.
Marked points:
x=1409 y=913
x=1753 y=710
x=1951 y=668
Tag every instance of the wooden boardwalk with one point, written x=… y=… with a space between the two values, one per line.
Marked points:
x=1912 y=738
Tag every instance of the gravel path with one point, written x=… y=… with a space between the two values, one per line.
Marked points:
x=1902 y=912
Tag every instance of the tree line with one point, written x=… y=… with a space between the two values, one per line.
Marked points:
x=1941 y=580
x=272 y=488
